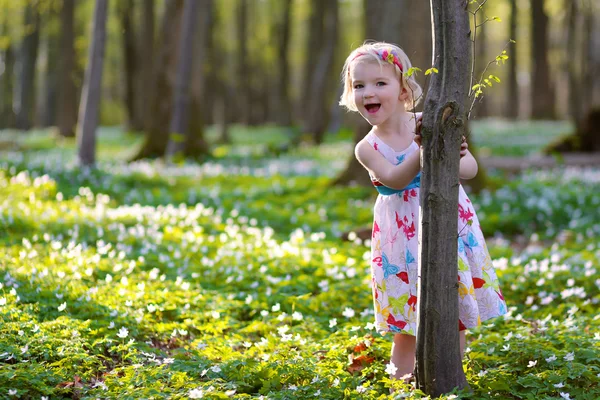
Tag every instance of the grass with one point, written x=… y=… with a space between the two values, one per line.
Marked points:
x=231 y=280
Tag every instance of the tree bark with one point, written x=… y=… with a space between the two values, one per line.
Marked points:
x=314 y=43
x=542 y=100
x=284 y=113
x=512 y=109
x=180 y=134
x=196 y=146
x=133 y=121
x=28 y=59
x=243 y=64
x=575 y=100
x=355 y=173
x=145 y=92
x=47 y=110
x=318 y=104
x=157 y=125
x=90 y=97
x=438 y=366
x=67 y=92
x=7 y=115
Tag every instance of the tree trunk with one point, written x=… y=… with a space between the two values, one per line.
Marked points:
x=318 y=114
x=67 y=101
x=284 y=113
x=196 y=146
x=512 y=109
x=542 y=100
x=7 y=115
x=90 y=97
x=133 y=121
x=47 y=110
x=28 y=59
x=181 y=104
x=590 y=56
x=157 y=124
x=314 y=43
x=438 y=366
x=355 y=173
x=243 y=65
x=145 y=92
x=575 y=103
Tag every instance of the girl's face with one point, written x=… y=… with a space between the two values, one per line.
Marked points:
x=377 y=91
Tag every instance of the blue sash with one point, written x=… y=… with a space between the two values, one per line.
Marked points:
x=388 y=191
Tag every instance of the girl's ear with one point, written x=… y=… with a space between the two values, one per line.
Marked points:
x=403 y=94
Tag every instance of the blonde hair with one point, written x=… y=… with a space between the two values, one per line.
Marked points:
x=373 y=52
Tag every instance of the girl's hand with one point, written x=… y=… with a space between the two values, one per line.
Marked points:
x=464 y=146
x=417 y=137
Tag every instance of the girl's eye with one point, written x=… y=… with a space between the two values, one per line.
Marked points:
x=380 y=83
x=358 y=86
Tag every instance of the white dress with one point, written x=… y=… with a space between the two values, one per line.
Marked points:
x=394 y=252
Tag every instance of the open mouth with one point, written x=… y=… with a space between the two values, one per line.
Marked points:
x=372 y=108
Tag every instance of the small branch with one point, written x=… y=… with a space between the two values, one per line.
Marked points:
x=479 y=82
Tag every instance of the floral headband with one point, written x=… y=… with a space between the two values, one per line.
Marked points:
x=388 y=56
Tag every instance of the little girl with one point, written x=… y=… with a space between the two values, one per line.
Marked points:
x=376 y=87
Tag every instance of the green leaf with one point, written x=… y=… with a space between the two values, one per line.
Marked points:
x=431 y=70
x=412 y=71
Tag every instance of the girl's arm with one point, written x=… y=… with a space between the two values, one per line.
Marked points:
x=395 y=177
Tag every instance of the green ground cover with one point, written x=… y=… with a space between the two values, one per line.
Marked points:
x=230 y=280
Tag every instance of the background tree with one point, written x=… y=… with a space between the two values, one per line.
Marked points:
x=320 y=91
x=180 y=116
x=90 y=98
x=542 y=93
x=512 y=103
x=131 y=66
x=438 y=366
x=282 y=30
x=145 y=56
x=27 y=59
x=67 y=103
x=7 y=59
x=158 y=119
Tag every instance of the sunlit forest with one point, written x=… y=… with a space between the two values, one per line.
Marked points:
x=182 y=214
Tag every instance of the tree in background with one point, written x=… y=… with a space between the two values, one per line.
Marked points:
x=542 y=92
x=438 y=367
x=90 y=97
x=145 y=62
x=282 y=29
x=316 y=119
x=583 y=66
x=164 y=64
x=512 y=103
x=25 y=100
x=180 y=115
x=67 y=92
x=133 y=93
x=200 y=107
x=46 y=98
x=7 y=64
